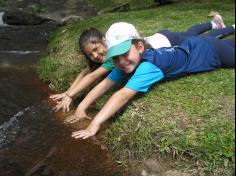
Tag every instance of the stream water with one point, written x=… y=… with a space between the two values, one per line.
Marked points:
x=32 y=139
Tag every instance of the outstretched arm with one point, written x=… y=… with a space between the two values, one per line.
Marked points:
x=87 y=81
x=63 y=100
x=92 y=96
x=118 y=100
x=82 y=74
x=81 y=83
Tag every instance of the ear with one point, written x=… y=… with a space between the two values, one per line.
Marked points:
x=141 y=47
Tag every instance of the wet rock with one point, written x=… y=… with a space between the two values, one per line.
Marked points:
x=71 y=19
x=121 y=8
x=53 y=11
x=12 y=36
x=22 y=18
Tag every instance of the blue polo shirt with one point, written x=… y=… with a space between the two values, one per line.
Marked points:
x=192 y=56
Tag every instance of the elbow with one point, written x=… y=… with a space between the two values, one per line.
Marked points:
x=92 y=76
x=125 y=94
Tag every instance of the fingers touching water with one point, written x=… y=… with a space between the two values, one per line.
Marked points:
x=90 y=131
x=82 y=134
x=74 y=118
x=62 y=102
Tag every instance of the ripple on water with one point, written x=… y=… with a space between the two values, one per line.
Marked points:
x=10 y=129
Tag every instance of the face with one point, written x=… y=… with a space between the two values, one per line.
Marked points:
x=130 y=60
x=96 y=51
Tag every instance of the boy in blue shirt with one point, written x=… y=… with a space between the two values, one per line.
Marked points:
x=146 y=66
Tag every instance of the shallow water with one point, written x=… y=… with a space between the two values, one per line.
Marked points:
x=33 y=139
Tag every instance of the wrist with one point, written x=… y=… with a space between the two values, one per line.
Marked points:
x=81 y=108
x=68 y=95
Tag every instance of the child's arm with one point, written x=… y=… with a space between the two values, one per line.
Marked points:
x=118 y=100
x=78 y=86
x=82 y=74
x=92 y=96
x=87 y=81
x=65 y=100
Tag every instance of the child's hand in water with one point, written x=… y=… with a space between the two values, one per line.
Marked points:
x=56 y=97
x=64 y=104
x=91 y=130
x=78 y=115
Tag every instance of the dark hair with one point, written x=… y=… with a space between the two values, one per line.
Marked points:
x=90 y=35
x=146 y=45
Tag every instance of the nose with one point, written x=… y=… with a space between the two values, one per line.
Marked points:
x=94 y=55
x=121 y=61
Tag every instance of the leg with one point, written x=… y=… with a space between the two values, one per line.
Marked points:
x=216 y=23
x=225 y=49
x=176 y=38
x=230 y=42
x=221 y=33
x=197 y=29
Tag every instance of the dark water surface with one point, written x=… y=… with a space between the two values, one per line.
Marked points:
x=32 y=139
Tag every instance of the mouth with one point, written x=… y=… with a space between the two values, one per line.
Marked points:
x=100 y=58
x=125 y=68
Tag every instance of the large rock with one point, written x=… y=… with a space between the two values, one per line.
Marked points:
x=59 y=11
x=25 y=38
x=22 y=18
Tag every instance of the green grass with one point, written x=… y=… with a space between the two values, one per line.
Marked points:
x=191 y=118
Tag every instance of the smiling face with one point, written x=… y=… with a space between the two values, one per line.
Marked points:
x=96 y=51
x=130 y=60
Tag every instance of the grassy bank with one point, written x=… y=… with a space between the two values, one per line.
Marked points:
x=190 y=118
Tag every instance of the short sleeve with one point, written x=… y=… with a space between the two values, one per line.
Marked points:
x=145 y=75
x=117 y=75
x=108 y=64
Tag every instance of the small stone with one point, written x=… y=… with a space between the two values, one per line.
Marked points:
x=154 y=166
x=144 y=173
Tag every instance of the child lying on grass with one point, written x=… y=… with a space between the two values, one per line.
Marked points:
x=92 y=45
x=146 y=66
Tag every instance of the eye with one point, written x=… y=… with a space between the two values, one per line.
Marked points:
x=126 y=54
x=95 y=49
x=115 y=58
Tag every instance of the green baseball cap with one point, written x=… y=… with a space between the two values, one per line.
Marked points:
x=119 y=49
